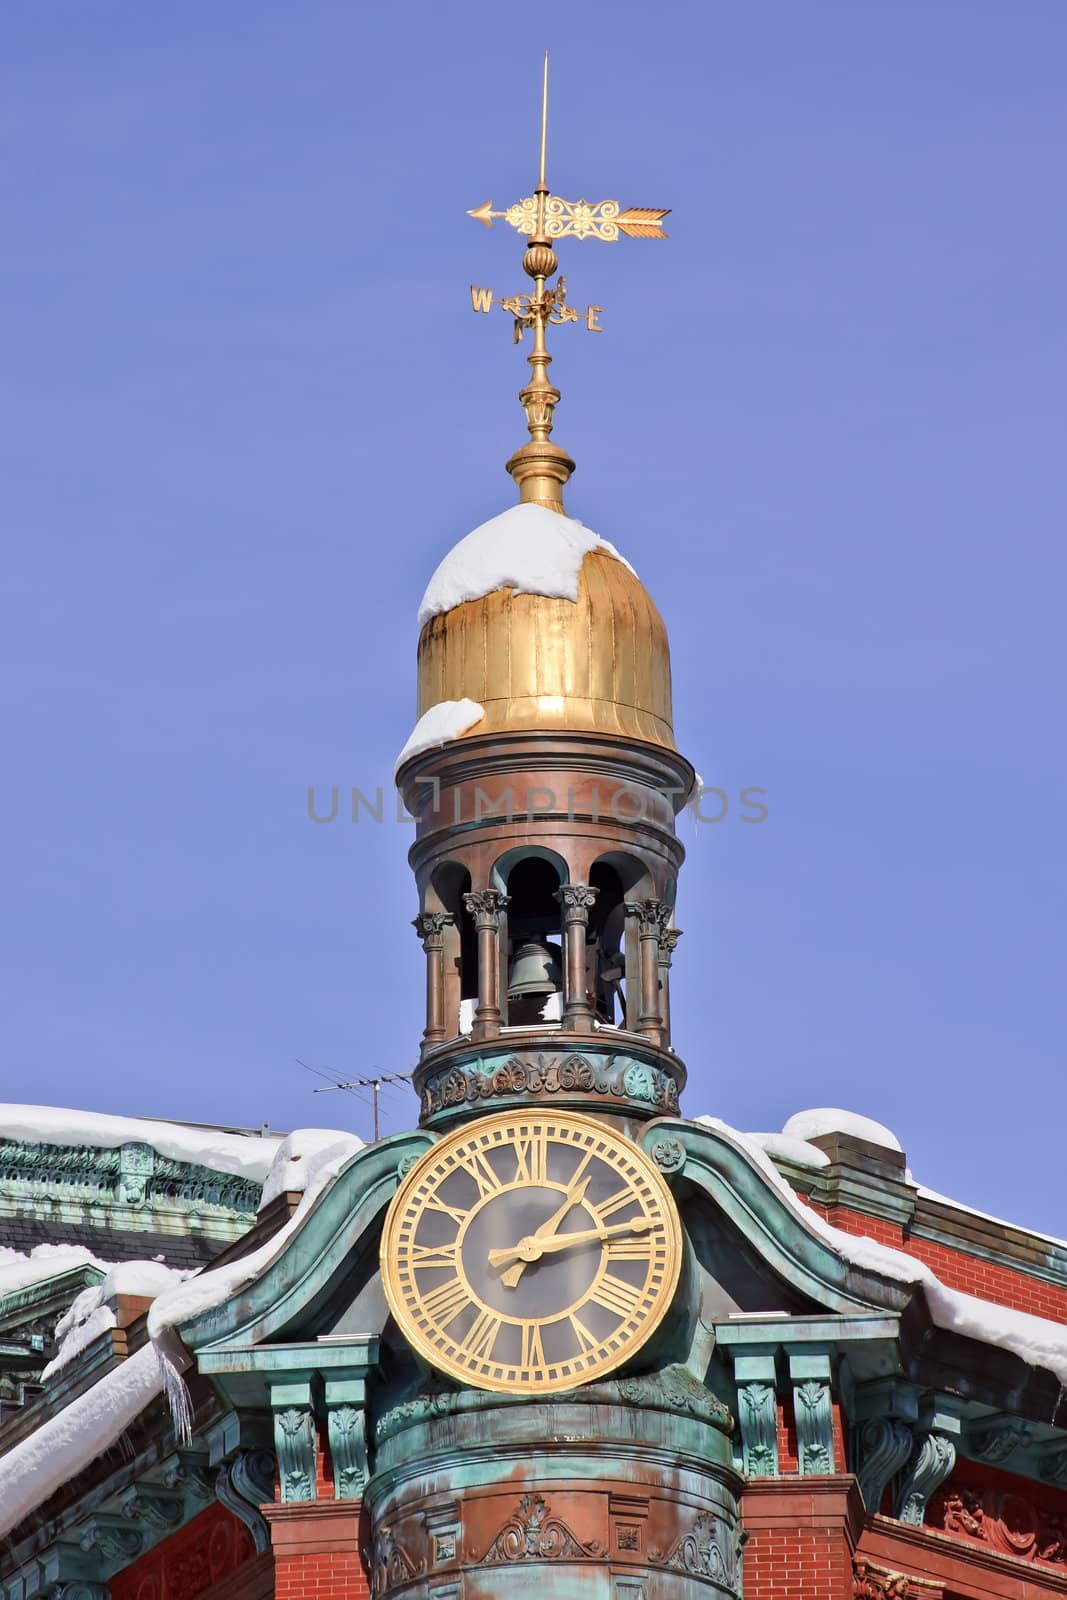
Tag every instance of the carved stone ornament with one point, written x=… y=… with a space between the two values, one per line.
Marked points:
x=155 y=1508
x=485 y=906
x=652 y=916
x=1004 y=1521
x=348 y=1447
x=673 y=1389
x=391 y=1564
x=551 y=1076
x=932 y=1459
x=112 y=1537
x=294 y=1441
x=577 y=900
x=244 y=1484
x=668 y=944
x=815 y=1426
x=532 y=1533
x=130 y=1175
x=669 y=1155
x=872 y=1582
x=185 y=1471
x=999 y=1441
x=758 y=1415
x=708 y=1550
x=186 y=1562
x=882 y=1446
x=1053 y=1467
x=430 y=925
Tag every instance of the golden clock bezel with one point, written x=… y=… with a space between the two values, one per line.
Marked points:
x=633 y=1154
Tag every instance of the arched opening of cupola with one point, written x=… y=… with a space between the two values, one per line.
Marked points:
x=531 y=953
x=613 y=950
x=606 y=948
x=449 y=882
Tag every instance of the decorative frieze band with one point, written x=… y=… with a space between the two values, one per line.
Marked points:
x=551 y=1077
x=133 y=1174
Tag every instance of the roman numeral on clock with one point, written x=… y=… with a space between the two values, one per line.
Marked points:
x=474 y=1164
x=629 y=1249
x=616 y=1202
x=446 y=1303
x=434 y=1255
x=533 y=1351
x=586 y=1340
x=615 y=1295
x=531 y=1159
x=480 y=1340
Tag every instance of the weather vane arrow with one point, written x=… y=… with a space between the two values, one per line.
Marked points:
x=605 y=220
x=541 y=468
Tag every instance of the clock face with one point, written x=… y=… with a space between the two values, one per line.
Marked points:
x=530 y=1252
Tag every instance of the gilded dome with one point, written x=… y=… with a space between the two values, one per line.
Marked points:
x=543 y=624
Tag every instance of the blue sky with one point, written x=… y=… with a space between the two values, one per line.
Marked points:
x=247 y=408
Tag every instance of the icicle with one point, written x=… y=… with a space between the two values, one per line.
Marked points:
x=177 y=1392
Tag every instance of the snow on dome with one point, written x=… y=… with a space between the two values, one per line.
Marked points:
x=242 y=1155
x=437 y=726
x=827 y=1119
x=527 y=548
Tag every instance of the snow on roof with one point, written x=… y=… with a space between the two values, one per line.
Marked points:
x=18 y=1271
x=47 y=1458
x=63 y=1445
x=1035 y=1339
x=828 y=1119
x=92 y=1312
x=40 y=1463
x=527 y=548
x=242 y=1155
x=784 y=1147
x=310 y=1158
x=442 y=722
x=302 y=1155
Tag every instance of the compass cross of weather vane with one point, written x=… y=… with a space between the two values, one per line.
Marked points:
x=544 y=217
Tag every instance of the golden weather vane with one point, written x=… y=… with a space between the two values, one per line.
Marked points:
x=541 y=468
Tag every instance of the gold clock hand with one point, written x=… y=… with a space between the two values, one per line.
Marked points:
x=533 y=1247
x=575 y=1196
x=563 y=1241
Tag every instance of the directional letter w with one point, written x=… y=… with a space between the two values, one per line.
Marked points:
x=481 y=299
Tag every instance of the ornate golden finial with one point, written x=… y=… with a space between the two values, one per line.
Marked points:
x=541 y=468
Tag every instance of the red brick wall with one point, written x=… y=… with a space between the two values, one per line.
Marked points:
x=800 y=1538
x=333 y=1575
x=1003 y=1285
x=317 y=1550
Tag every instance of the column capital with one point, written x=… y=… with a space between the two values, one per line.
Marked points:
x=485 y=906
x=668 y=943
x=577 y=900
x=429 y=925
x=652 y=916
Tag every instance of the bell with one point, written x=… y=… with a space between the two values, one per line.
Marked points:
x=535 y=969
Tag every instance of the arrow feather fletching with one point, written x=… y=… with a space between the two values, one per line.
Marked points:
x=642 y=222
